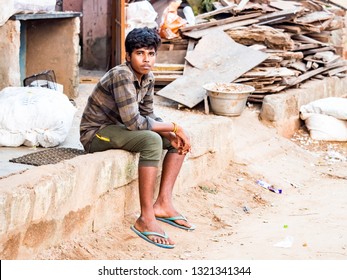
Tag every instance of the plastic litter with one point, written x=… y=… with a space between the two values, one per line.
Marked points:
x=288 y=240
x=246 y=209
x=266 y=185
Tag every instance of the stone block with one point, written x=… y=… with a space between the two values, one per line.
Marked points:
x=9 y=50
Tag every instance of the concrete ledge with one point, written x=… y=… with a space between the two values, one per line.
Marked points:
x=282 y=110
x=48 y=204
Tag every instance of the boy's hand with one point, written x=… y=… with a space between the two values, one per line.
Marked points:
x=181 y=142
x=184 y=141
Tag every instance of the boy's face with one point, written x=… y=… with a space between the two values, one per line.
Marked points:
x=142 y=60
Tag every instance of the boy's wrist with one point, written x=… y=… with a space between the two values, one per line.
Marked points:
x=175 y=127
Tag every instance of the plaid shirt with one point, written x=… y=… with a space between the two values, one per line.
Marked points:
x=118 y=98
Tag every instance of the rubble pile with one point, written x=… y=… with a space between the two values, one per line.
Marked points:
x=296 y=35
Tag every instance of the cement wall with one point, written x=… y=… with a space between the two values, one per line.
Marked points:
x=48 y=204
x=9 y=52
x=96 y=34
x=54 y=44
x=43 y=45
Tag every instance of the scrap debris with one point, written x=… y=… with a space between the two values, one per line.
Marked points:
x=299 y=38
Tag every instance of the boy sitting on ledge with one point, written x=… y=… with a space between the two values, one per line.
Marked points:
x=119 y=115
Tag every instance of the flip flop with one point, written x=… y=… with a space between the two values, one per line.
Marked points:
x=144 y=235
x=172 y=221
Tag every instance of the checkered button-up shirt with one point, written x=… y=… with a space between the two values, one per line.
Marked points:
x=118 y=98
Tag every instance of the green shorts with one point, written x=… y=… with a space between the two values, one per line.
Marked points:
x=148 y=143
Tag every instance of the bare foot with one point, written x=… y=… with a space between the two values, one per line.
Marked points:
x=169 y=212
x=152 y=226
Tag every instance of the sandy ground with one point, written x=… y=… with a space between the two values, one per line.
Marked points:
x=238 y=219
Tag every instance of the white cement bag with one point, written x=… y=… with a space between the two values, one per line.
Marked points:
x=331 y=106
x=11 y=7
x=34 y=116
x=327 y=128
x=140 y=14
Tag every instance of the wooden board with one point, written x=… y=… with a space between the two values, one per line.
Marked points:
x=197 y=34
x=216 y=58
x=171 y=57
x=284 y=5
x=219 y=22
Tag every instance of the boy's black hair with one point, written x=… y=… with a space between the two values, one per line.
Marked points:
x=144 y=37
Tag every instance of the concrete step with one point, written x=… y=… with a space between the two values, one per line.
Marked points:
x=44 y=205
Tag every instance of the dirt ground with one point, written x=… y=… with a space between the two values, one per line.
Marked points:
x=238 y=219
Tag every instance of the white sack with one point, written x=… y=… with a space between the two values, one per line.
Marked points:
x=11 y=7
x=331 y=106
x=34 y=116
x=327 y=128
x=140 y=14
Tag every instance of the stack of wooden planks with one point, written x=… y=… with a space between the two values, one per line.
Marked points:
x=296 y=35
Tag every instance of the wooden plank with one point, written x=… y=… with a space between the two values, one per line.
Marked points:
x=197 y=34
x=289 y=28
x=171 y=57
x=312 y=28
x=286 y=54
x=323 y=37
x=160 y=78
x=336 y=71
x=326 y=57
x=216 y=12
x=191 y=46
x=286 y=13
x=318 y=16
x=219 y=22
x=167 y=72
x=118 y=33
x=306 y=46
x=275 y=20
x=307 y=39
x=334 y=58
x=315 y=50
x=168 y=67
x=270 y=72
x=225 y=61
x=298 y=65
x=284 y=5
x=273 y=89
x=309 y=74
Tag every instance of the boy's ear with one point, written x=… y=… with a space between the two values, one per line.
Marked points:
x=127 y=57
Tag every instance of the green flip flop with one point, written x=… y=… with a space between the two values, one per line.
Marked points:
x=144 y=235
x=172 y=221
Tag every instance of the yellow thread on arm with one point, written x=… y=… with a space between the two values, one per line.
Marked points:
x=175 y=127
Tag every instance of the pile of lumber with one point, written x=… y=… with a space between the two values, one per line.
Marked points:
x=296 y=35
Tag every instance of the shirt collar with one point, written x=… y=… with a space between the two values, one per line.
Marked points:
x=146 y=79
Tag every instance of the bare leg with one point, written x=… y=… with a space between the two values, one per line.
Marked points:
x=163 y=207
x=147 y=221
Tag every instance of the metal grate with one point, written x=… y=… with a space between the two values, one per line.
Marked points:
x=49 y=156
